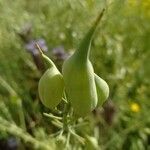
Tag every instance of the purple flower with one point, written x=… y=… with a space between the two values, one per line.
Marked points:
x=59 y=53
x=31 y=47
x=12 y=143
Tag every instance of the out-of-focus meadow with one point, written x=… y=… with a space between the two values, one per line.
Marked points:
x=120 y=54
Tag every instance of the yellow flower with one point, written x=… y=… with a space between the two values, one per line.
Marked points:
x=134 y=107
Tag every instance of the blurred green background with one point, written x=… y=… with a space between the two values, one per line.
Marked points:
x=120 y=54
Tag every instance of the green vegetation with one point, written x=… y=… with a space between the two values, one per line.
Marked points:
x=120 y=55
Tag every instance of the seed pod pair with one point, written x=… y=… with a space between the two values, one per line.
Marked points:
x=84 y=89
x=51 y=85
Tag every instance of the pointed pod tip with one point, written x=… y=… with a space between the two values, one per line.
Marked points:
x=39 y=48
x=84 y=46
x=47 y=59
x=99 y=17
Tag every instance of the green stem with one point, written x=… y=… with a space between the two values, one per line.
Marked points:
x=65 y=120
x=68 y=140
x=79 y=138
x=57 y=123
x=57 y=133
x=21 y=115
x=64 y=100
x=81 y=124
x=60 y=134
x=52 y=116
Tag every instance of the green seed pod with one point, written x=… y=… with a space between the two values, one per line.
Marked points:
x=51 y=85
x=102 y=90
x=79 y=77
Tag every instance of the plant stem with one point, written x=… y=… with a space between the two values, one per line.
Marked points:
x=52 y=116
x=79 y=138
x=68 y=140
x=65 y=113
x=21 y=115
x=65 y=120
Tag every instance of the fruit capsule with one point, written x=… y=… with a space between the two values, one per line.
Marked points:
x=79 y=76
x=51 y=85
